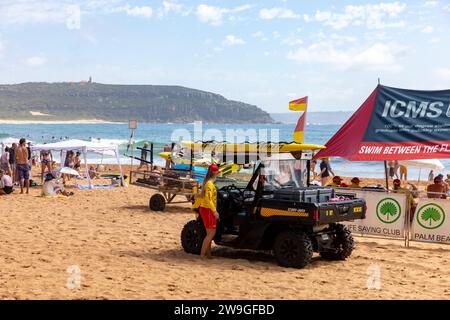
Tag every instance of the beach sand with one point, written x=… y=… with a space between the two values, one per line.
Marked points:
x=125 y=251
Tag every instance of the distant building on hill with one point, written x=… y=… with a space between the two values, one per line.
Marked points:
x=86 y=81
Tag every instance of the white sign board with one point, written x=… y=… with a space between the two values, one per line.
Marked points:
x=430 y=222
x=385 y=216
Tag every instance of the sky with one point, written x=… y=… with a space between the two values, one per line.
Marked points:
x=264 y=53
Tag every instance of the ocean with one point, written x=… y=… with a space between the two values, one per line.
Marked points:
x=161 y=134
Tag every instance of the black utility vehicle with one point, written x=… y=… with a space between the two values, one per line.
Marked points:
x=272 y=206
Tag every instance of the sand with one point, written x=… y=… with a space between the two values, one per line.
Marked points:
x=126 y=251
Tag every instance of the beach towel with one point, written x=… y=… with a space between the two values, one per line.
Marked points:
x=97 y=186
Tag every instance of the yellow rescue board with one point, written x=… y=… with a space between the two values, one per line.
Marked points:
x=252 y=147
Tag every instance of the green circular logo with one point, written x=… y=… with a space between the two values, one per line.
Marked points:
x=430 y=216
x=388 y=210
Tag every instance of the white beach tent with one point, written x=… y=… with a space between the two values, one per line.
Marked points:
x=84 y=147
x=432 y=164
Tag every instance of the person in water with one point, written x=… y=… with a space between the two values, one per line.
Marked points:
x=208 y=209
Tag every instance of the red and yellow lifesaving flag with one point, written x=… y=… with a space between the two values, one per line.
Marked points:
x=299 y=105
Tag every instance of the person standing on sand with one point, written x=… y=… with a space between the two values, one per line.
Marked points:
x=5 y=161
x=312 y=168
x=391 y=169
x=208 y=209
x=325 y=171
x=403 y=172
x=12 y=161
x=46 y=162
x=144 y=157
x=396 y=167
x=431 y=176
x=23 y=168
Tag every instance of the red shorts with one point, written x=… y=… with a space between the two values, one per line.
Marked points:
x=209 y=221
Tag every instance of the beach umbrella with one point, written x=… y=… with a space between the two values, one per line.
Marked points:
x=67 y=170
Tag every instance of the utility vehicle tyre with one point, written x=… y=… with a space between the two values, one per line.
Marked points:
x=343 y=243
x=157 y=202
x=192 y=236
x=293 y=249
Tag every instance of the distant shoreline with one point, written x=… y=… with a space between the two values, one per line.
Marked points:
x=86 y=121
x=96 y=121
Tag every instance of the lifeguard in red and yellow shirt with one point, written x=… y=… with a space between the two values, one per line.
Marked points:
x=208 y=209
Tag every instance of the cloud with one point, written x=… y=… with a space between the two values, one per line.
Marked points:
x=170 y=6
x=273 y=13
x=23 y=12
x=73 y=19
x=231 y=40
x=427 y=29
x=373 y=16
x=35 y=61
x=215 y=15
x=378 y=56
x=66 y=12
x=259 y=35
x=431 y=4
x=144 y=11
x=442 y=73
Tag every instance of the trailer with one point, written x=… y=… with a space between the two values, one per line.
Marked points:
x=168 y=183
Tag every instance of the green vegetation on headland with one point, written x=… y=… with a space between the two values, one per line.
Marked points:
x=146 y=103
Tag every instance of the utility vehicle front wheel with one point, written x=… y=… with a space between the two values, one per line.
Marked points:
x=157 y=202
x=293 y=249
x=342 y=243
x=192 y=236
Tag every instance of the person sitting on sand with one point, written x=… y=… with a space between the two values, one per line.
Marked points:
x=52 y=187
x=208 y=209
x=337 y=181
x=437 y=190
x=6 y=183
x=93 y=174
x=355 y=183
